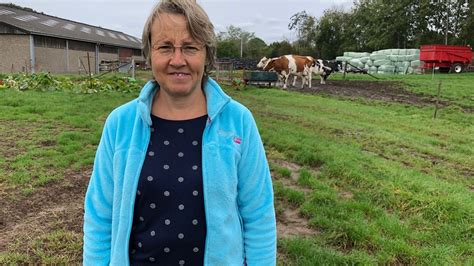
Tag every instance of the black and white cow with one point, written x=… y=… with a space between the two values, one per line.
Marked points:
x=324 y=68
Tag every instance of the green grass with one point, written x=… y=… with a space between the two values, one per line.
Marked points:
x=457 y=88
x=381 y=182
x=410 y=175
x=52 y=132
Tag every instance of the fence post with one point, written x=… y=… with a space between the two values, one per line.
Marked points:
x=345 y=69
x=90 y=74
x=437 y=100
x=133 y=68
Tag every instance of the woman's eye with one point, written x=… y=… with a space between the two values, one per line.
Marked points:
x=190 y=49
x=165 y=48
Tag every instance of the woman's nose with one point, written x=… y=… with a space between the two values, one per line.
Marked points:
x=177 y=58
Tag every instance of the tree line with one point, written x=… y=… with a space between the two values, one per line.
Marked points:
x=370 y=25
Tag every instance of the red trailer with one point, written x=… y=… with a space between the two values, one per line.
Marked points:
x=446 y=57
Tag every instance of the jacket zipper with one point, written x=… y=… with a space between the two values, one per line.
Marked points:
x=132 y=202
x=204 y=186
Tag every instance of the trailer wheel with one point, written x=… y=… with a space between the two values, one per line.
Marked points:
x=457 y=68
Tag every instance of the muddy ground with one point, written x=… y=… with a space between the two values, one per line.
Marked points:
x=388 y=91
x=27 y=219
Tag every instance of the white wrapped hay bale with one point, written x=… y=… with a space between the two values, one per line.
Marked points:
x=412 y=57
x=386 y=69
x=343 y=58
x=364 y=59
x=412 y=51
x=385 y=52
x=373 y=70
x=356 y=54
x=386 y=61
x=415 y=64
x=356 y=63
x=377 y=56
x=397 y=58
x=382 y=62
x=402 y=67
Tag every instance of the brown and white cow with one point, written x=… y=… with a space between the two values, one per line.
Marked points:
x=287 y=65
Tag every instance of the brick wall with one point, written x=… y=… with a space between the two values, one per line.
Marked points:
x=74 y=63
x=14 y=53
x=50 y=60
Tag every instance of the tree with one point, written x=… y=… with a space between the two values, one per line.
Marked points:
x=227 y=48
x=379 y=24
x=330 y=33
x=467 y=26
x=256 y=48
x=237 y=36
x=305 y=27
x=276 y=49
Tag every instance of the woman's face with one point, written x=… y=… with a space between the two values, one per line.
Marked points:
x=179 y=71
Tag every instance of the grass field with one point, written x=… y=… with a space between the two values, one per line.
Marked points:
x=357 y=180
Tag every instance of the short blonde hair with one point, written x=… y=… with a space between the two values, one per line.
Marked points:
x=198 y=23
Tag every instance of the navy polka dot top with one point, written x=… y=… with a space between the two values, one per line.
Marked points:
x=169 y=223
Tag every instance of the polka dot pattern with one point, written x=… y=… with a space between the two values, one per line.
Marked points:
x=169 y=224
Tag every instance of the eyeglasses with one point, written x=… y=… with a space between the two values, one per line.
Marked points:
x=168 y=50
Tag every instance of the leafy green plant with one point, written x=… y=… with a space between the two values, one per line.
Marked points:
x=46 y=82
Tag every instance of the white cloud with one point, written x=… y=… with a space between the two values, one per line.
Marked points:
x=267 y=18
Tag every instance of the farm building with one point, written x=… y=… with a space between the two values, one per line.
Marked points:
x=34 y=42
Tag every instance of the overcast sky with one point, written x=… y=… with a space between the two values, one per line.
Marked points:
x=268 y=19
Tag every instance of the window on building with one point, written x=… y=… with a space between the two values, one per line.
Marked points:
x=81 y=46
x=49 y=42
x=6 y=29
x=137 y=52
x=108 y=49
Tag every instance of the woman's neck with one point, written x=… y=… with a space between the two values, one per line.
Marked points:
x=179 y=108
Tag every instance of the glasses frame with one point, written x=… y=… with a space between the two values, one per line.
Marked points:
x=168 y=50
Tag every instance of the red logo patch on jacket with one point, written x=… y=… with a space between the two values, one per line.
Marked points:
x=237 y=140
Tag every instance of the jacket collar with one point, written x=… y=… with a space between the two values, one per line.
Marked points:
x=216 y=99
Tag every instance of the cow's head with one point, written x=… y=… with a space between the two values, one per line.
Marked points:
x=263 y=62
x=336 y=65
x=331 y=66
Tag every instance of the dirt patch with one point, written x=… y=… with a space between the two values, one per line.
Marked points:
x=10 y=135
x=291 y=223
x=346 y=195
x=389 y=91
x=61 y=202
x=26 y=212
x=290 y=166
x=289 y=220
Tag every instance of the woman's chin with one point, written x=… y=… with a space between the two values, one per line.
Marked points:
x=180 y=90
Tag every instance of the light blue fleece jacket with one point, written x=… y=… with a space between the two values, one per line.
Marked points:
x=238 y=195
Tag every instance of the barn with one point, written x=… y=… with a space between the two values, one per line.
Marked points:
x=33 y=42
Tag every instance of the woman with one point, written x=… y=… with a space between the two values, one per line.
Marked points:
x=180 y=175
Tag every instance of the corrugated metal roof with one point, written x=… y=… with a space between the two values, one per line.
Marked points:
x=45 y=25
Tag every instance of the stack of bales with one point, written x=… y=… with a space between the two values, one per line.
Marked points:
x=388 y=61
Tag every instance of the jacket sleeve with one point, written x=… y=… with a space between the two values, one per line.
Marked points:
x=255 y=199
x=98 y=202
